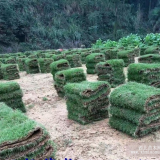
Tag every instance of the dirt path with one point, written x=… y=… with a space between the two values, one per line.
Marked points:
x=96 y=141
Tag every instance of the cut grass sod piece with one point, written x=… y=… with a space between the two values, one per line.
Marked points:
x=74 y=60
x=22 y=138
x=149 y=58
x=135 y=109
x=68 y=76
x=145 y=73
x=111 y=71
x=87 y=101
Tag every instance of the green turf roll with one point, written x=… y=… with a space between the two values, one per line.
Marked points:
x=149 y=58
x=74 y=60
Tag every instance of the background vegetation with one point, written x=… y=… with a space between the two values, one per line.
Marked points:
x=46 y=24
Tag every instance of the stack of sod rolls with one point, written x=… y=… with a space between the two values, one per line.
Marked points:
x=111 y=71
x=152 y=50
x=44 y=64
x=68 y=76
x=128 y=56
x=149 y=58
x=11 y=94
x=111 y=53
x=32 y=56
x=21 y=64
x=1 y=73
x=22 y=138
x=11 y=60
x=145 y=73
x=59 y=66
x=84 y=54
x=10 y=71
x=135 y=109
x=74 y=60
x=92 y=60
x=87 y=101
x=57 y=57
x=31 y=66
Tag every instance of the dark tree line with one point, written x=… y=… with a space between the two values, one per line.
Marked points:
x=44 y=24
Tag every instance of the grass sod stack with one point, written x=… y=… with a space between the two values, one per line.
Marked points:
x=31 y=66
x=92 y=60
x=128 y=56
x=44 y=64
x=68 y=76
x=11 y=94
x=145 y=73
x=11 y=60
x=87 y=101
x=1 y=73
x=57 y=57
x=111 y=71
x=152 y=50
x=135 y=109
x=74 y=60
x=84 y=54
x=111 y=53
x=21 y=64
x=149 y=58
x=59 y=65
x=23 y=138
x=10 y=71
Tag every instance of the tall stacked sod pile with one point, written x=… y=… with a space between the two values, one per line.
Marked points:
x=111 y=53
x=142 y=49
x=31 y=66
x=1 y=73
x=21 y=63
x=135 y=109
x=74 y=60
x=152 y=50
x=92 y=60
x=10 y=60
x=84 y=54
x=11 y=94
x=44 y=64
x=111 y=71
x=22 y=138
x=145 y=73
x=149 y=58
x=10 y=71
x=57 y=57
x=59 y=65
x=87 y=101
x=68 y=76
x=128 y=56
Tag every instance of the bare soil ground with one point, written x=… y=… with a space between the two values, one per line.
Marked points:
x=96 y=141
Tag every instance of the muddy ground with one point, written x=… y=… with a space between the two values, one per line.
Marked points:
x=96 y=141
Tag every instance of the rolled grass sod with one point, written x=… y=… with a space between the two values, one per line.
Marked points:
x=152 y=50
x=59 y=65
x=30 y=140
x=10 y=71
x=111 y=53
x=44 y=64
x=68 y=76
x=135 y=109
x=149 y=58
x=74 y=60
x=87 y=101
x=11 y=60
x=31 y=66
x=1 y=73
x=84 y=54
x=128 y=56
x=57 y=57
x=92 y=60
x=11 y=94
x=145 y=73
x=21 y=64
x=111 y=71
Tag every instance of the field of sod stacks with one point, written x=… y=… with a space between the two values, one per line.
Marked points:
x=80 y=104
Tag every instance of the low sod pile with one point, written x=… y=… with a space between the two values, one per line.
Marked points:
x=111 y=53
x=84 y=54
x=32 y=56
x=135 y=109
x=149 y=58
x=57 y=57
x=21 y=64
x=87 y=101
x=44 y=64
x=92 y=60
x=142 y=50
x=23 y=138
x=1 y=73
x=74 y=60
x=145 y=73
x=128 y=56
x=111 y=71
x=31 y=66
x=59 y=66
x=68 y=76
x=10 y=71
x=11 y=60
x=152 y=50
x=11 y=94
